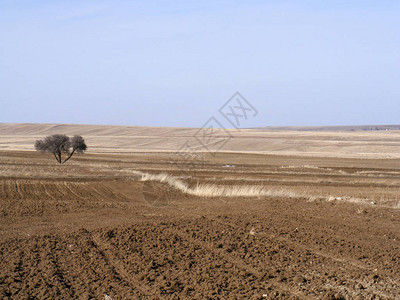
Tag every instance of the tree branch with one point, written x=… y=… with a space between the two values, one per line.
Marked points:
x=59 y=156
x=55 y=155
x=69 y=156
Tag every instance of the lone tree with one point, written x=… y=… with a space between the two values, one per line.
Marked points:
x=59 y=144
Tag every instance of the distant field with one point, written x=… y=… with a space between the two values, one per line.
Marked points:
x=285 y=141
x=335 y=128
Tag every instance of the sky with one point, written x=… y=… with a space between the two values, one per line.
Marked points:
x=176 y=63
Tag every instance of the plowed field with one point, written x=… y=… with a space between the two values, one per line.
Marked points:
x=92 y=228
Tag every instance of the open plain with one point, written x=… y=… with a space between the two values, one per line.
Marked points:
x=273 y=215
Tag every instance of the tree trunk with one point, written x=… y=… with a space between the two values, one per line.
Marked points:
x=55 y=155
x=69 y=156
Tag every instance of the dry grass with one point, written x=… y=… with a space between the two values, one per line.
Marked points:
x=213 y=190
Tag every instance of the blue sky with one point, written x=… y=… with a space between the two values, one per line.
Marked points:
x=175 y=63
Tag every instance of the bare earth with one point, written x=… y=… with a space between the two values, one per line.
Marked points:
x=92 y=227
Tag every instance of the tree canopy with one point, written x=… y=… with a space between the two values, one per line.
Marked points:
x=59 y=144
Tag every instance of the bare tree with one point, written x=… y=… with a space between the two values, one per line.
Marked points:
x=78 y=145
x=59 y=144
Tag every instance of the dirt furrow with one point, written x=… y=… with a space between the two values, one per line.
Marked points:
x=238 y=262
x=44 y=186
x=71 y=187
x=110 y=254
